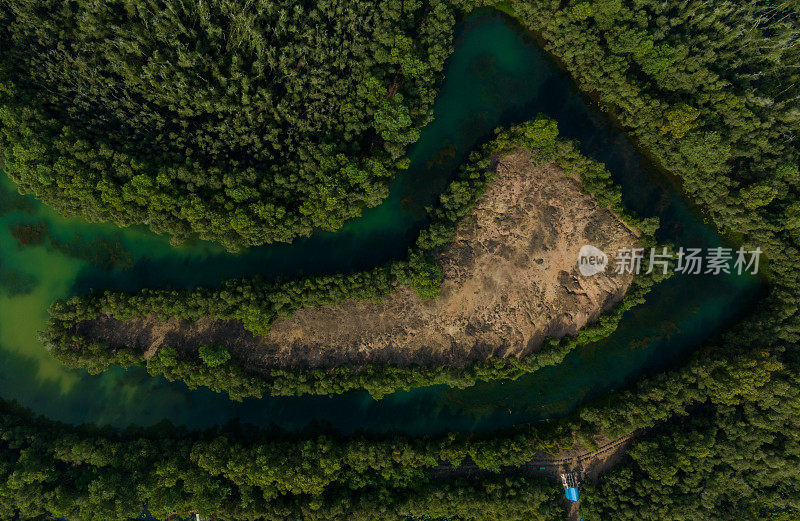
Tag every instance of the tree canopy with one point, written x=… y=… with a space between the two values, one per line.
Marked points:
x=241 y=121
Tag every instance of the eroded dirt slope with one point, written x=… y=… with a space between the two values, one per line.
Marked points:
x=510 y=280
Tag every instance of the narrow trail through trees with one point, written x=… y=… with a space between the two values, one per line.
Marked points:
x=589 y=463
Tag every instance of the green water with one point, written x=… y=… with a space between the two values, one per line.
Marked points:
x=496 y=77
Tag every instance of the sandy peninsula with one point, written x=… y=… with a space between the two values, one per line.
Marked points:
x=511 y=280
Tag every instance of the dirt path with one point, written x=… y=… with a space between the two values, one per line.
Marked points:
x=510 y=280
x=588 y=464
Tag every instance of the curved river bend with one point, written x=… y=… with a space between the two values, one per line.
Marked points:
x=496 y=77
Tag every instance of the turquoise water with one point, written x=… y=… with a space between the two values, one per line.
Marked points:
x=496 y=77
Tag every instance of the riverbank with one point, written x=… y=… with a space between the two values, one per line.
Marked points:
x=578 y=205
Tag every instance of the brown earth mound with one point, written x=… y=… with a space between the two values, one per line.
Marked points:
x=511 y=279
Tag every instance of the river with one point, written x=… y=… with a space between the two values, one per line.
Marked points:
x=497 y=76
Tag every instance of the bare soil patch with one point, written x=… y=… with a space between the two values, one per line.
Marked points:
x=511 y=279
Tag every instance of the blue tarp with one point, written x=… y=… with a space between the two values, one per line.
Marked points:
x=572 y=493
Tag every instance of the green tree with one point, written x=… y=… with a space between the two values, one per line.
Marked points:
x=758 y=195
x=680 y=120
x=214 y=355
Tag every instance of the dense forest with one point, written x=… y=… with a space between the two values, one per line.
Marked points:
x=240 y=122
x=737 y=460
x=709 y=91
x=50 y=470
x=257 y=303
